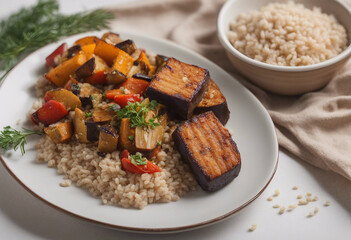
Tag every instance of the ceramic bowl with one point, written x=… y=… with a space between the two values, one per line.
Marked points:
x=283 y=79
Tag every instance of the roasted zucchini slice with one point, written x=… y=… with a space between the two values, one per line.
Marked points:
x=207 y=146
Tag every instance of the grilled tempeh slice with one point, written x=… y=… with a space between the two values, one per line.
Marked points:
x=180 y=86
x=207 y=146
x=214 y=101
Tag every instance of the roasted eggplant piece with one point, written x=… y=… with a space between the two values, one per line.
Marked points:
x=85 y=92
x=93 y=130
x=86 y=70
x=115 y=77
x=67 y=98
x=112 y=38
x=60 y=132
x=142 y=77
x=74 y=50
x=160 y=61
x=214 y=101
x=207 y=146
x=79 y=126
x=128 y=46
x=180 y=86
x=108 y=139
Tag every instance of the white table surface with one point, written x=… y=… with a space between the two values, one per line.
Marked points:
x=22 y=216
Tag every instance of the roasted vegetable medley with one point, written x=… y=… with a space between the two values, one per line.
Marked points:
x=110 y=93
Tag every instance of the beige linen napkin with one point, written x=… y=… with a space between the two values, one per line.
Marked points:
x=315 y=126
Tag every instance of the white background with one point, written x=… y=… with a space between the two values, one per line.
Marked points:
x=22 y=216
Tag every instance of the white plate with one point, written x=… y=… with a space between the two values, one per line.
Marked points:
x=253 y=131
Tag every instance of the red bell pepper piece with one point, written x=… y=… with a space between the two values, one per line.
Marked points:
x=97 y=78
x=134 y=85
x=51 y=112
x=122 y=100
x=149 y=167
x=124 y=154
x=59 y=51
x=110 y=94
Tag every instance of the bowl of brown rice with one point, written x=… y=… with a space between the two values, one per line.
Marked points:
x=286 y=47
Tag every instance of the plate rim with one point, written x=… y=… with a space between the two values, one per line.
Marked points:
x=140 y=229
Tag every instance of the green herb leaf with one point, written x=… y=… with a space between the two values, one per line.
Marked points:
x=153 y=104
x=131 y=137
x=159 y=143
x=10 y=137
x=33 y=27
x=88 y=114
x=114 y=107
x=136 y=112
x=138 y=159
x=92 y=97
x=75 y=88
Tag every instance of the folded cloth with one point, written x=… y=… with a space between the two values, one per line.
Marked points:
x=315 y=126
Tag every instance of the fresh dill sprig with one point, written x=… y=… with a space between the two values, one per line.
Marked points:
x=10 y=137
x=34 y=27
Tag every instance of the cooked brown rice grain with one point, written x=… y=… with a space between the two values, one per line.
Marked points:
x=105 y=177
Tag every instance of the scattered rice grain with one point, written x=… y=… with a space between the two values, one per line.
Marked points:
x=253 y=227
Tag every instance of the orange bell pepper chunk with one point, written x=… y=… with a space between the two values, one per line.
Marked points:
x=134 y=85
x=122 y=100
x=110 y=94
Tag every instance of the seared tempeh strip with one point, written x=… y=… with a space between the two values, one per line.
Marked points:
x=207 y=146
x=214 y=101
x=180 y=86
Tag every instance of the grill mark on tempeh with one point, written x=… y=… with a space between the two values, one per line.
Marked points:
x=216 y=157
x=208 y=147
x=210 y=166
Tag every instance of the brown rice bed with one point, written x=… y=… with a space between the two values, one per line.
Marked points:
x=104 y=177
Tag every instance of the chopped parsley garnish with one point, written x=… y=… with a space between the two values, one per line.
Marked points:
x=88 y=114
x=159 y=143
x=138 y=159
x=131 y=137
x=75 y=88
x=114 y=107
x=92 y=97
x=153 y=104
x=136 y=112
